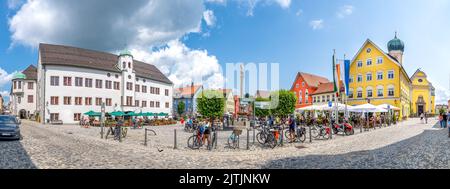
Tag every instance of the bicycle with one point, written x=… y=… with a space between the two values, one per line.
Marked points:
x=213 y=143
x=195 y=141
x=299 y=134
x=233 y=139
x=320 y=131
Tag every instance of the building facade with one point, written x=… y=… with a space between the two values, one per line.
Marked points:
x=325 y=93
x=23 y=94
x=72 y=81
x=378 y=78
x=189 y=96
x=304 y=85
x=423 y=94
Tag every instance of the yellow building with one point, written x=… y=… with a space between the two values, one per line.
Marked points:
x=423 y=94
x=378 y=78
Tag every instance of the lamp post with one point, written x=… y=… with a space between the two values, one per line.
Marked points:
x=102 y=120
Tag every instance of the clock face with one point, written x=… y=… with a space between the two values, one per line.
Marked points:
x=369 y=50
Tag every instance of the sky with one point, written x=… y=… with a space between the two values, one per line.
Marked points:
x=197 y=38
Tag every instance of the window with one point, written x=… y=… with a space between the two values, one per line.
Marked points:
x=359 y=78
x=360 y=64
x=314 y=99
x=19 y=85
x=136 y=103
x=350 y=79
x=78 y=101
x=129 y=86
x=152 y=90
x=152 y=104
x=54 y=116
x=15 y=85
x=369 y=50
x=369 y=77
x=380 y=75
x=98 y=101
x=137 y=88
x=67 y=81
x=19 y=100
x=380 y=92
x=166 y=92
x=303 y=84
x=129 y=64
x=167 y=105
x=54 y=81
x=88 y=101
x=391 y=91
x=67 y=100
x=129 y=101
x=369 y=93
x=108 y=84
x=157 y=104
x=306 y=96
x=77 y=117
x=78 y=81
x=30 y=99
x=30 y=85
x=98 y=83
x=350 y=93
x=116 y=85
x=380 y=60
x=108 y=102
x=144 y=103
x=157 y=91
x=297 y=86
x=391 y=74
x=124 y=65
x=359 y=93
x=323 y=99
x=420 y=80
x=54 y=100
x=88 y=82
x=300 y=97
x=369 y=62
x=144 y=89
x=117 y=76
x=328 y=98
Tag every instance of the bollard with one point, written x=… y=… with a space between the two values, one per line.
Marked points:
x=254 y=136
x=145 y=138
x=248 y=140
x=120 y=134
x=217 y=138
x=310 y=136
x=175 y=139
x=282 y=135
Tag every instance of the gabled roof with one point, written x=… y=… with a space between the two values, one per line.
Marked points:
x=310 y=79
x=417 y=71
x=384 y=53
x=30 y=72
x=188 y=91
x=78 y=57
x=327 y=88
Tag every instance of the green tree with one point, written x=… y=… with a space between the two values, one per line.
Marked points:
x=283 y=103
x=181 y=107
x=262 y=112
x=211 y=104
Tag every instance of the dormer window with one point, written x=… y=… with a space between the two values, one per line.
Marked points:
x=129 y=64
x=129 y=76
x=124 y=65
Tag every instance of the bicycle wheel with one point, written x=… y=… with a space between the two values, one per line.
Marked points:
x=193 y=142
x=261 y=138
x=271 y=141
x=302 y=136
x=124 y=132
x=287 y=134
x=315 y=132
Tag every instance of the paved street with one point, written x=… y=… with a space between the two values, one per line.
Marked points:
x=407 y=145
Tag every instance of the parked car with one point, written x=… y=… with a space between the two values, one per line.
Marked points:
x=9 y=128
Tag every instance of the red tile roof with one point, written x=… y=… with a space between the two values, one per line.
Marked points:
x=311 y=79
x=189 y=90
x=327 y=88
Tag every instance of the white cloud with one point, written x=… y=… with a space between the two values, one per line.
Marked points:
x=13 y=4
x=5 y=94
x=209 y=18
x=105 y=24
x=442 y=95
x=299 y=12
x=317 y=24
x=252 y=4
x=345 y=10
x=183 y=65
x=5 y=77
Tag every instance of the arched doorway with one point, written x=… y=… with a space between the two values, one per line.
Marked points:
x=23 y=114
x=420 y=103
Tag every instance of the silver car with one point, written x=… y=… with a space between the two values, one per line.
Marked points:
x=9 y=128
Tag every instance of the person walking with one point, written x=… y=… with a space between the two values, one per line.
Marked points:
x=444 y=119
x=292 y=127
x=441 y=120
x=421 y=118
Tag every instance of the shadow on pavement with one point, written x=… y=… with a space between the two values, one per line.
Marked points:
x=429 y=150
x=14 y=156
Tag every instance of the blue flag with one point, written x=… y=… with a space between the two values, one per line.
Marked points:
x=347 y=75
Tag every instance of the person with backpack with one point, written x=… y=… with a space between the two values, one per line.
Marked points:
x=292 y=127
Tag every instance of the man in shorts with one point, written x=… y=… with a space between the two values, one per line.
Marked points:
x=292 y=127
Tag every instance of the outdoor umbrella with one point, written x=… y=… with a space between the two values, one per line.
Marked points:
x=92 y=113
x=367 y=108
x=118 y=113
x=162 y=114
x=387 y=106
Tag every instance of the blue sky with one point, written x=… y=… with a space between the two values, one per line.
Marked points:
x=300 y=35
